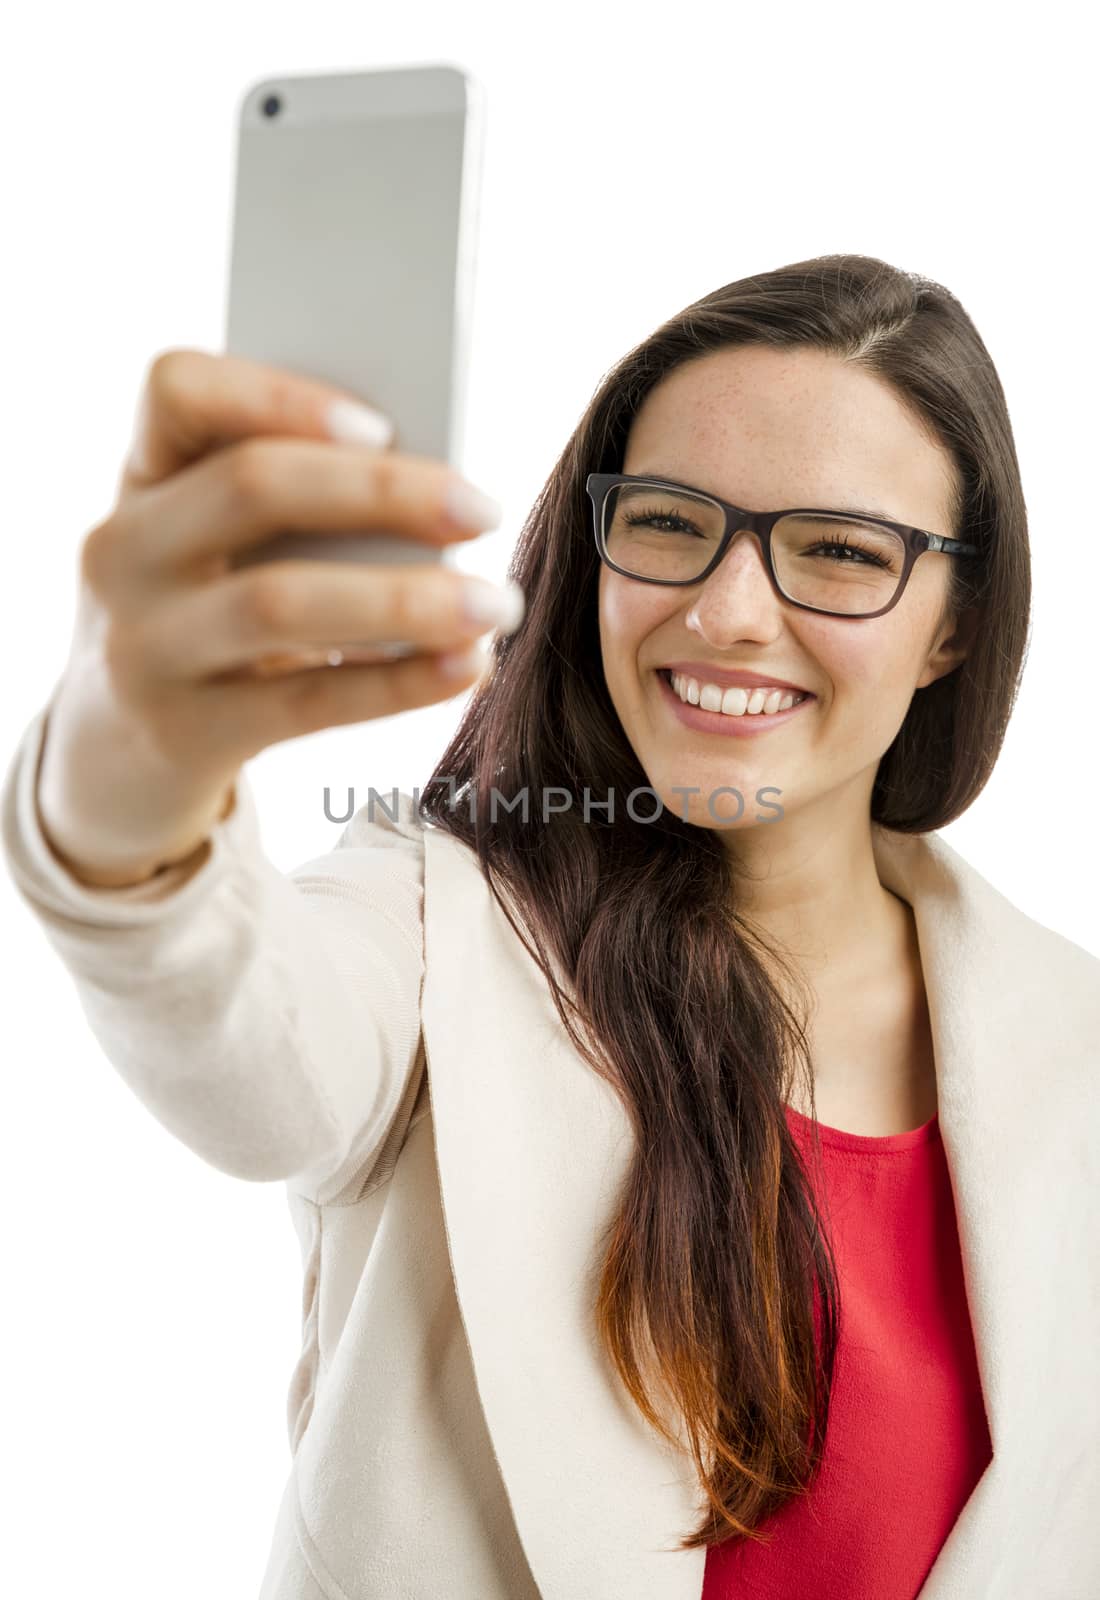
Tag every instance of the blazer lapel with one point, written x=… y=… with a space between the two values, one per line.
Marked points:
x=1015 y=1016
x=532 y=1147
x=971 y=1103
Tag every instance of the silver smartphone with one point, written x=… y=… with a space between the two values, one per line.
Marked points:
x=353 y=256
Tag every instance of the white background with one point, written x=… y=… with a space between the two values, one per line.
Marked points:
x=152 y=1302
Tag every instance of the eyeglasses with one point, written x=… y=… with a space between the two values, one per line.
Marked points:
x=844 y=565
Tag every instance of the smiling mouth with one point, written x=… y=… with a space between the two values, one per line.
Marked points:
x=735 y=701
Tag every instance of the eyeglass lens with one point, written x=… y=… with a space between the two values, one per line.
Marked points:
x=833 y=562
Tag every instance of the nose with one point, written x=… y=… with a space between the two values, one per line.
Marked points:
x=738 y=594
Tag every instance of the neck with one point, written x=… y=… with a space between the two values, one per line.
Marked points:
x=815 y=893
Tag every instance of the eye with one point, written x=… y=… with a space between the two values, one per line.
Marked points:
x=641 y=519
x=866 y=557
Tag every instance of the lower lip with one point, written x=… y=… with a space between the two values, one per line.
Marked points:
x=745 y=727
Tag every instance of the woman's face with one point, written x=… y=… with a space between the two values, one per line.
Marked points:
x=767 y=429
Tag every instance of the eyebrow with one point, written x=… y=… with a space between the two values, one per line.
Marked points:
x=864 y=511
x=848 y=511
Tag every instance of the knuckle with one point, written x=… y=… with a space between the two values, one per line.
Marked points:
x=309 y=696
x=283 y=399
x=123 y=658
x=99 y=553
x=266 y=602
x=251 y=469
x=413 y=601
x=384 y=476
x=106 y=552
x=170 y=372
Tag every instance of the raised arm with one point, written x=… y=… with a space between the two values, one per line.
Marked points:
x=269 y=1021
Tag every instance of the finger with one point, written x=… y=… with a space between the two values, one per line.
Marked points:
x=231 y=503
x=281 y=662
x=312 y=607
x=239 y=719
x=194 y=401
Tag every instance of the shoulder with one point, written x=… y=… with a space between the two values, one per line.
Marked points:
x=1022 y=946
x=387 y=820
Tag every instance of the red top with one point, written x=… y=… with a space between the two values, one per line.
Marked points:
x=907 y=1438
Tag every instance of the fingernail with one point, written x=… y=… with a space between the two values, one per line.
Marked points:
x=470 y=507
x=496 y=607
x=352 y=423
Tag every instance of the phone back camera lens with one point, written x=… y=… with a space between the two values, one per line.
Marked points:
x=272 y=106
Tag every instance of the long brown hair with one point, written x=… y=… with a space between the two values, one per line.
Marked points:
x=718 y=1282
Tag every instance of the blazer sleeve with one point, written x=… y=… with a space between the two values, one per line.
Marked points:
x=270 y=1022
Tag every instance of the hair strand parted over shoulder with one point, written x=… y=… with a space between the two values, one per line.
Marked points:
x=718 y=1301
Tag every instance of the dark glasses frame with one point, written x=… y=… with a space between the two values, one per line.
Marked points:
x=917 y=541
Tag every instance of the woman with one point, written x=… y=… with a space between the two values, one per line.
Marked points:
x=693 y=1174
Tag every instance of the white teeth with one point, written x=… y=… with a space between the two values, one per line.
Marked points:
x=734 y=702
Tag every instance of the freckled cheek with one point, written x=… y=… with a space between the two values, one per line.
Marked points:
x=870 y=674
x=853 y=666
x=627 y=616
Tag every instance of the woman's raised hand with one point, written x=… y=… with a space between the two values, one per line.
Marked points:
x=183 y=665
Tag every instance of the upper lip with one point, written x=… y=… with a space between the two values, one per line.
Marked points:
x=727 y=679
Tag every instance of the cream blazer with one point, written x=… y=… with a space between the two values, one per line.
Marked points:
x=369 y=1031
